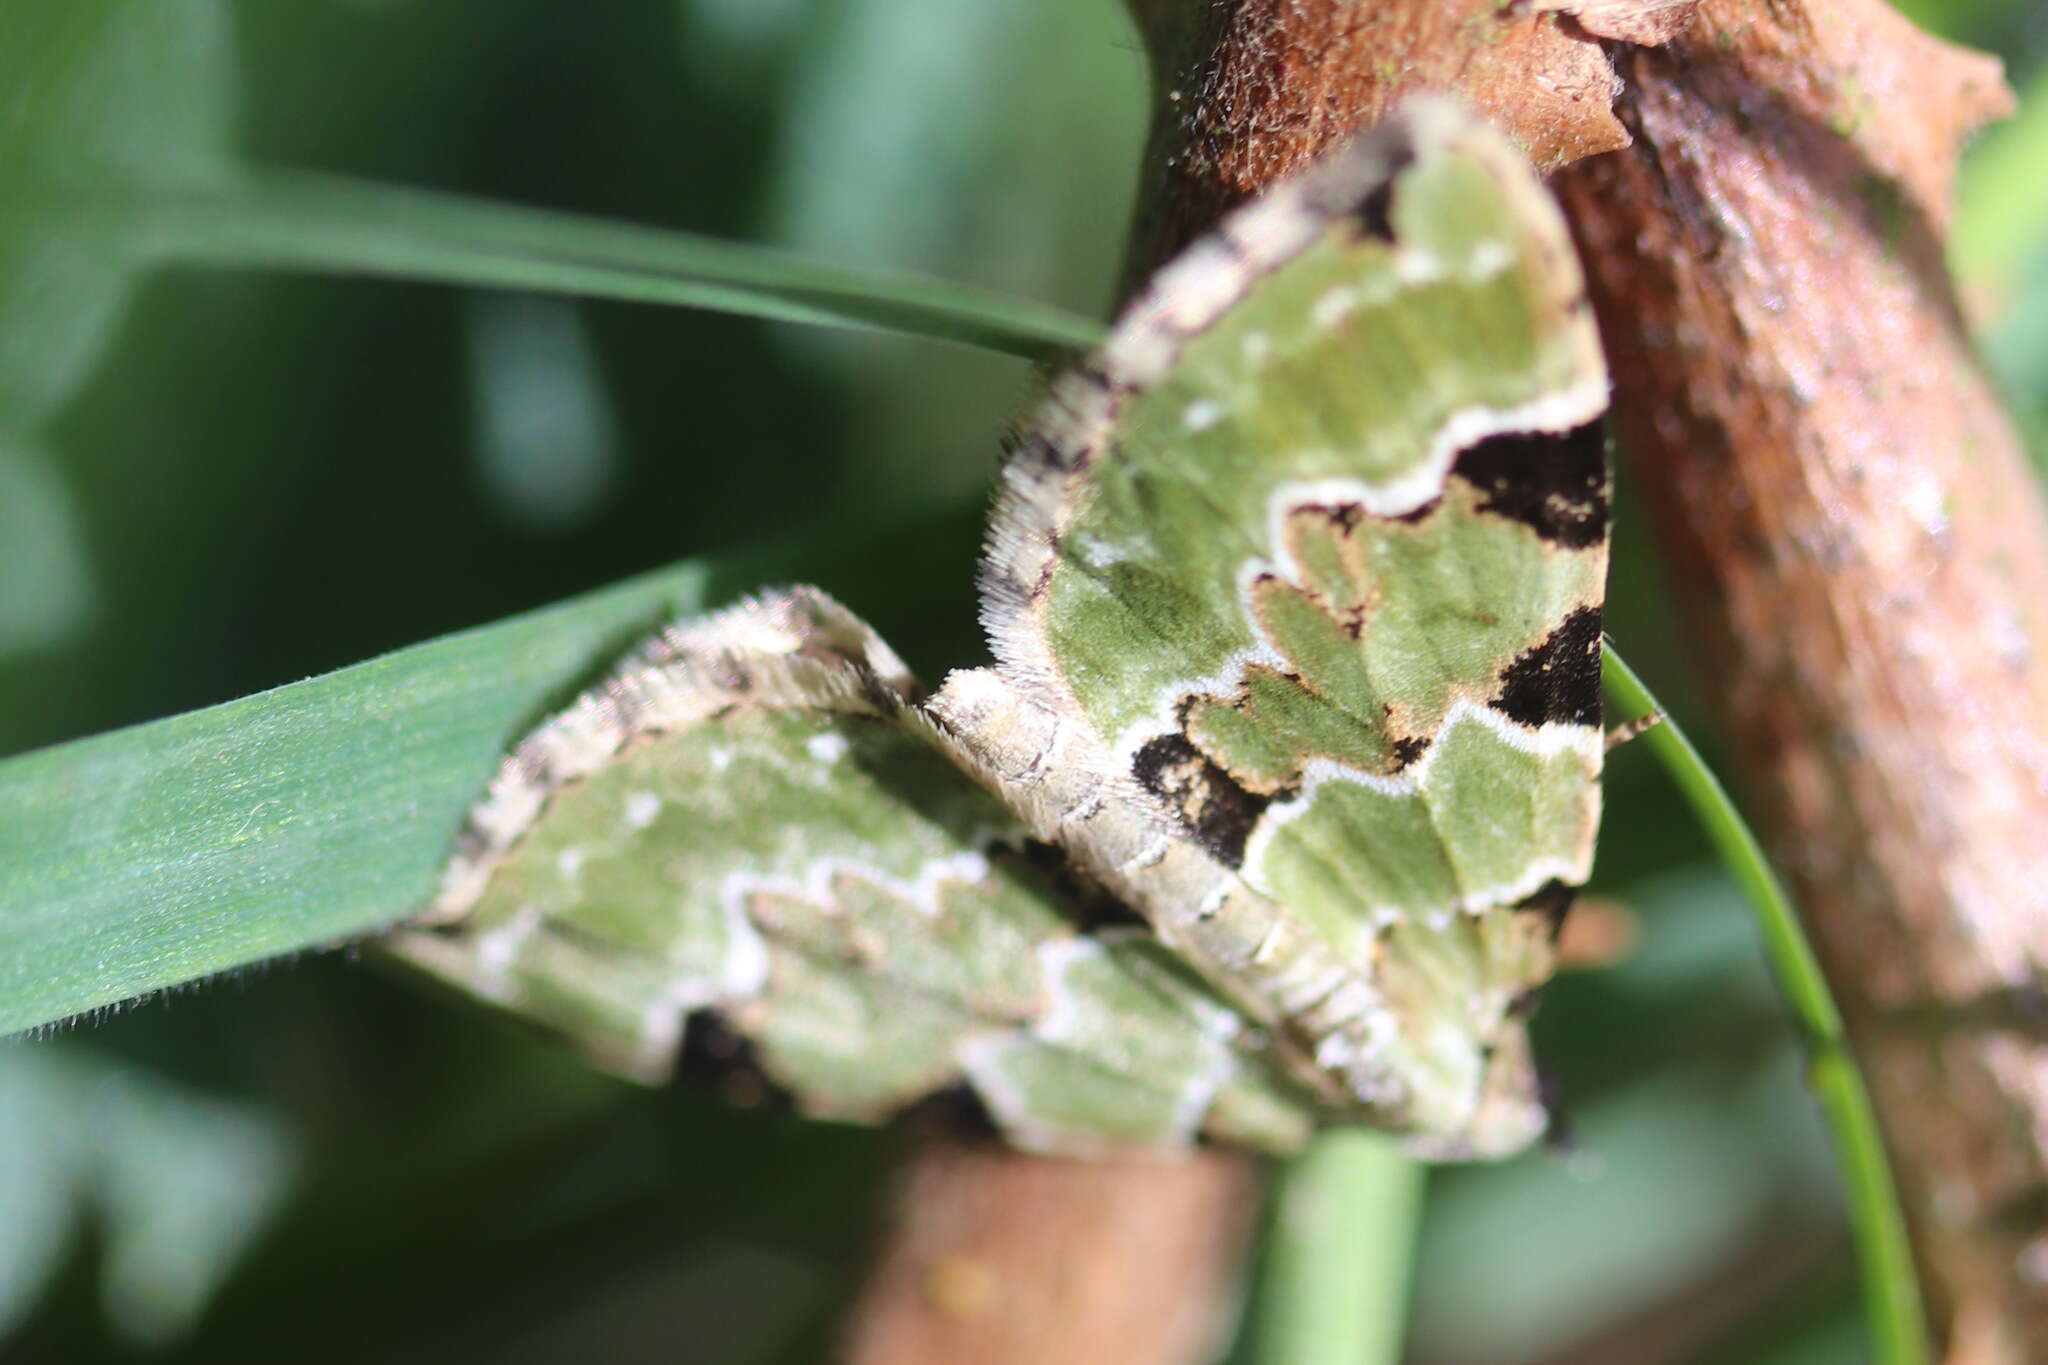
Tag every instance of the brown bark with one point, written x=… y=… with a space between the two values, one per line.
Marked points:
x=1005 y=1259
x=1847 y=514
x=1250 y=90
x=1855 y=531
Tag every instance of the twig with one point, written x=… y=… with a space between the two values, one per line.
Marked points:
x=1005 y=1259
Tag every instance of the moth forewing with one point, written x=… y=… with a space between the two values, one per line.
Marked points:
x=1312 y=553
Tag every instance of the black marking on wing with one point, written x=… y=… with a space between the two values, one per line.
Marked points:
x=1207 y=801
x=1558 y=680
x=716 y=1055
x=1374 y=212
x=1554 y=483
x=1553 y=901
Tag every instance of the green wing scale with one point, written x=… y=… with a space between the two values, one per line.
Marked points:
x=1294 y=591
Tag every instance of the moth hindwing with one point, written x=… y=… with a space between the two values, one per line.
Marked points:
x=1294 y=591
x=747 y=844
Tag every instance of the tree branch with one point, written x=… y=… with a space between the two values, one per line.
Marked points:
x=1846 y=510
x=1853 y=526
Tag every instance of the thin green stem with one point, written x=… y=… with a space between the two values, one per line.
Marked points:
x=291 y=220
x=1335 y=1282
x=1890 y=1289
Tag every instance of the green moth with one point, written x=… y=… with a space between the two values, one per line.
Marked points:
x=1266 y=812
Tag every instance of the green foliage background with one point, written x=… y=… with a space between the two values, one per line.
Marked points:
x=212 y=483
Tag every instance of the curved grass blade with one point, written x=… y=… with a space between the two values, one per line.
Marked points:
x=150 y=856
x=1890 y=1289
x=298 y=221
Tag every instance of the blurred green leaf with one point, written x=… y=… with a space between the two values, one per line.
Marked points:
x=965 y=193
x=2003 y=197
x=1664 y=1184
x=36 y=1178
x=97 y=91
x=47 y=590
x=90 y=89
x=179 y=1182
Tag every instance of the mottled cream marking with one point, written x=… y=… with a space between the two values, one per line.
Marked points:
x=641 y=808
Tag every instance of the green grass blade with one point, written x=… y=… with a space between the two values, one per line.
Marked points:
x=1890 y=1289
x=136 y=860
x=298 y=221
x=1334 y=1286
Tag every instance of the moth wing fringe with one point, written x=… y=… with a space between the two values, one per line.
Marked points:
x=781 y=649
